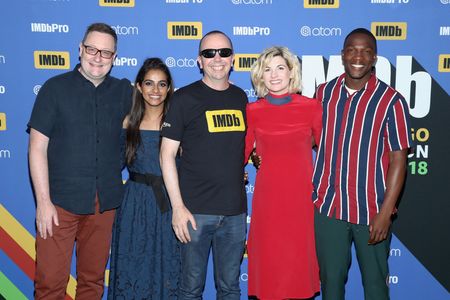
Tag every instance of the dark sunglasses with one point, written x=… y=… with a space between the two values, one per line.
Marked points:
x=210 y=53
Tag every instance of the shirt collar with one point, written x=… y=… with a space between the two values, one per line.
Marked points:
x=80 y=78
x=369 y=86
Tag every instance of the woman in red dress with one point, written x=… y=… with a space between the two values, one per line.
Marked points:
x=283 y=126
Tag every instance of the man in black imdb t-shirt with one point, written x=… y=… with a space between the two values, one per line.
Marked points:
x=207 y=119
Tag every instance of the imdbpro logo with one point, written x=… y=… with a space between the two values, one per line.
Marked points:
x=243 y=62
x=184 y=30
x=51 y=60
x=389 y=30
x=2 y=121
x=321 y=3
x=444 y=63
x=117 y=3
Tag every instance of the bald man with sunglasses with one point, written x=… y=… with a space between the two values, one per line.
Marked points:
x=207 y=119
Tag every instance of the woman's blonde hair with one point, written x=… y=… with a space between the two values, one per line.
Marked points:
x=263 y=60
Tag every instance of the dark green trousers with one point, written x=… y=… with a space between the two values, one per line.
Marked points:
x=334 y=239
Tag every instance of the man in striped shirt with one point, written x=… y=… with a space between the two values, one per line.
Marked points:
x=360 y=170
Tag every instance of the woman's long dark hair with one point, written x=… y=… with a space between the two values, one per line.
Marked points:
x=137 y=112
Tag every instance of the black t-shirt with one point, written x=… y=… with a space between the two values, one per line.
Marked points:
x=210 y=125
x=83 y=124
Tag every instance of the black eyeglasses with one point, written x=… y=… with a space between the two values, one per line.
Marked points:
x=93 y=51
x=210 y=53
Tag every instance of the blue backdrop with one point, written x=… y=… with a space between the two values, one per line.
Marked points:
x=39 y=39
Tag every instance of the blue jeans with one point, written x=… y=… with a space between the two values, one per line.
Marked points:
x=226 y=235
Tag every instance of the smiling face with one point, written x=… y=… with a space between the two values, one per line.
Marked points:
x=95 y=67
x=358 y=57
x=154 y=88
x=216 y=69
x=277 y=76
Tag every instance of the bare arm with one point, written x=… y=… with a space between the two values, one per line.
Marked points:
x=180 y=214
x=379 y=226
x=46 y=213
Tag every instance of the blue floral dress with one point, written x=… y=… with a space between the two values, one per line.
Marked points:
x=145 y=258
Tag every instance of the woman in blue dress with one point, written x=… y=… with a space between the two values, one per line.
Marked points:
x=145 y=261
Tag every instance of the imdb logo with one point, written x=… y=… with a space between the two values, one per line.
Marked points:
x=2 y=121
x=116 y=3
x=243 y=62
x=389 y=30
x=51 y=60
x=184 y=30
x=321 y=4
x=444 y=63
x=225 y=120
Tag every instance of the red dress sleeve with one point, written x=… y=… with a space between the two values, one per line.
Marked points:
x=317 y=122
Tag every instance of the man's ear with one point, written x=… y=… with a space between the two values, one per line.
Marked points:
x=199 y=62
x=80 y=49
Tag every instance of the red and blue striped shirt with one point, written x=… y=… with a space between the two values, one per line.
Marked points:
x=359 y=131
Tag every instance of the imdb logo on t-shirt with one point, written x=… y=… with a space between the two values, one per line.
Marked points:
x=225 y=120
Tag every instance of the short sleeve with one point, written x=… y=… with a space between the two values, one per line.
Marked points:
x=398 y=126
x=173 y=125
x=43 y=116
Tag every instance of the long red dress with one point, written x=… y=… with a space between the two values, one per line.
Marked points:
x=282 y=259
